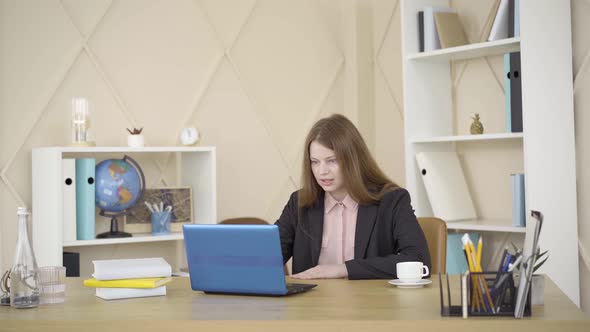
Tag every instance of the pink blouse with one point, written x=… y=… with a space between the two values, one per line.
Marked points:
x=339 y=230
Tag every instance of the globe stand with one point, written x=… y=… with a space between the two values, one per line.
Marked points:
x=114 y=233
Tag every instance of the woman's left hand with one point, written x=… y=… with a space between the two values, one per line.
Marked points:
x=323 y=272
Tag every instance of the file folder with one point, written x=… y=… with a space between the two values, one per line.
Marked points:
x=431 y=40
x=507 y=92
x=445 y=185
x=69 y=199
x=85 y=199
x=518 y=200
x=515 y=93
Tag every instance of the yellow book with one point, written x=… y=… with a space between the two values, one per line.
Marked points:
x=128 y=283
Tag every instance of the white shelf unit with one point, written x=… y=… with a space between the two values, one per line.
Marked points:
x=195 y=167
x=548 y=146
x=485 y=225
x=137 y=238
x=464 y=52
x=468 y=138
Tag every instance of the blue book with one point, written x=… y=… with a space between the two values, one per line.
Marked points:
x=507 y=92
x=518 y=200
x=85 y=198
x=456 y=262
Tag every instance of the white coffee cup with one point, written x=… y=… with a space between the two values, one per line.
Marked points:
x=411 y=271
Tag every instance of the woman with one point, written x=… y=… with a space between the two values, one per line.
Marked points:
x=348 y=220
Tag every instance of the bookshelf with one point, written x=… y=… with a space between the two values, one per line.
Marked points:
x=194 y=167
x=546 y=145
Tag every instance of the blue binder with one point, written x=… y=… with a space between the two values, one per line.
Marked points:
x=85 y=199
x=518 y=208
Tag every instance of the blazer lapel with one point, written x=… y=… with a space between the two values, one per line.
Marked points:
x=365 y=221
x=316 y=227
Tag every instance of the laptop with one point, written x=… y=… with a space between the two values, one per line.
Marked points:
x=237 y=259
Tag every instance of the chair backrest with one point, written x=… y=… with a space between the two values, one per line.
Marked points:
x=244 y=221
x=435 y=230
x=248 y=221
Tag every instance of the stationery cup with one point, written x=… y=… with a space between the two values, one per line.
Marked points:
x=52 y=284
x=411 y=272
x=160 y=222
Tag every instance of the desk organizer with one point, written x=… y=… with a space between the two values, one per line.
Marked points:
x=497 y=287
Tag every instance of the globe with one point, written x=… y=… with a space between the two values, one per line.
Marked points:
x=119 y=185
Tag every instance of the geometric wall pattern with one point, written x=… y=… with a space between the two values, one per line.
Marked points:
x=252 y=75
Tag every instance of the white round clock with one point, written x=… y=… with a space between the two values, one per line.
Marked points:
x=189 y=136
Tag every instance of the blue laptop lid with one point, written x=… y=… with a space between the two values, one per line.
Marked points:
x=235 y=258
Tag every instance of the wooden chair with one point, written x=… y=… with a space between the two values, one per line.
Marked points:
x=435 y=230
x=249 y=221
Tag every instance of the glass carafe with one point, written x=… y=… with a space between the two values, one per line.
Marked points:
x=24 y=279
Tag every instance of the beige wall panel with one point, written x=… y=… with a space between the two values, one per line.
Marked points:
x=484 y=161
x=390 y=58
x=157 y=56
x=38 y=44
x=86 y=14
x=473 y=15
x=250 y=169
x=227 y=17
x=53 y=126
x=389 y=145
x=288 y=60
x=388 y=94
x=479 y=92
x=383 y=11
x=333 y=14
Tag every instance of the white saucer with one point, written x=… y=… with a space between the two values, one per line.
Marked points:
x=418 y=284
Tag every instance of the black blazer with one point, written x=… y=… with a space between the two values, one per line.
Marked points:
x=386 y=233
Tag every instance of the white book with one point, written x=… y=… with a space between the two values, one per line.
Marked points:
x=445 y=186
x=431 y=40
x=500 y=26
x=68 y=172
x=131 y=268
x=127 y=293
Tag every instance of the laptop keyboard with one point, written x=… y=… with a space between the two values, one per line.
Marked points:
x=298 y=288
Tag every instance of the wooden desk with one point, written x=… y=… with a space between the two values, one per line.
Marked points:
x=334 y=305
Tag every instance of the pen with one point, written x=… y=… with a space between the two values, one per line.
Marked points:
x=513 y=265
x=148 y=206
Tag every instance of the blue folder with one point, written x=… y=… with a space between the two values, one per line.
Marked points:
x=85 y=199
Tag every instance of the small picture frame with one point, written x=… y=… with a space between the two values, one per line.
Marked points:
x=137 y=218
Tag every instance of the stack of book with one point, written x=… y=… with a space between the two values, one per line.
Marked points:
x=129 y=278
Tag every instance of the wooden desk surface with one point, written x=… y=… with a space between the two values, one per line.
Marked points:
x=333 y=305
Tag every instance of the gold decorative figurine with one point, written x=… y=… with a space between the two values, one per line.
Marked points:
x=476 y=126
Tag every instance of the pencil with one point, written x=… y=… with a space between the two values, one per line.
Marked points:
x=479 y=249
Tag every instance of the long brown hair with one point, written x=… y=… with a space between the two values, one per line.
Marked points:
x=363 y=179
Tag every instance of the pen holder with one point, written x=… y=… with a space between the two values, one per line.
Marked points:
x=160 y=222
x=497 y=288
